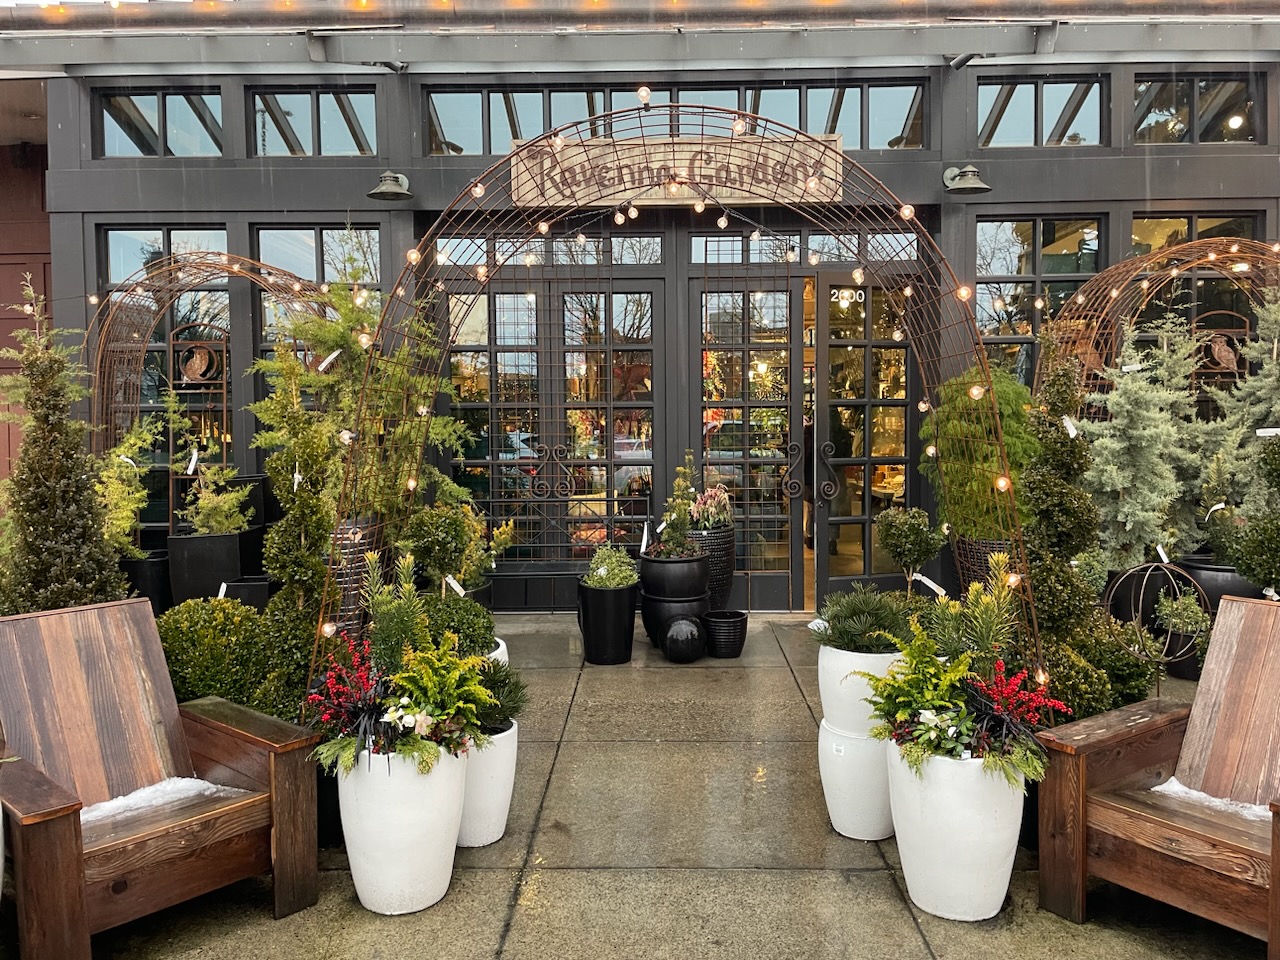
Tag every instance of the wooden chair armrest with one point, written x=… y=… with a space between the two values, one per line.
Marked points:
x=28 y=796
x=250 y=727
x=1112 y=729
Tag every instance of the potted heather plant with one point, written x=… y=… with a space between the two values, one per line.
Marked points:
x=910 y=538
x=674 y=570
x=491 y=770
x=607 y=605
x=962 y=749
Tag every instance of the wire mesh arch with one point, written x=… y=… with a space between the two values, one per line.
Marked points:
x=120 y=331
x=1091 y=325
x=569 y=184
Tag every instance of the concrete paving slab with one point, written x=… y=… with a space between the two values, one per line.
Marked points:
x=533 y=767
x=760 y=650
x=540 y=640
x=550 y=693
x=797 y=642
x=718 y=703
x=691 y=805
x=710 y=915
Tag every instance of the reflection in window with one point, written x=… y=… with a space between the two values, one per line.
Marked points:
x=517 y=377
x=291 y=250
x=636 y=250
x=632 y=375
x=1007 y=114
x=350 y=254
x=1069 y=113
x=718 y=248
x=892 y=246
x=584 y=320
x=515 y=317
x=841 y=248
x=768 y=375
x=513 y=116
x=579 y=251
x=1004 y=247
x=836 y=110
x=769 y=317
x=895 y=117
x=131 y=125
x=774 y=248
x=455 y=124
x=570 y=106
x=470 y=373
x=721 y=317
x=348 y=127
x=282 y=124
x=128 y=251
x=632 y=317
x=193 y=125
x=469 y=317
x=777 y=105
x=1202 y=110
x=460 y=251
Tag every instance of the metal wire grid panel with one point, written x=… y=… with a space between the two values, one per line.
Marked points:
x=1091 y=325
x=567 y=184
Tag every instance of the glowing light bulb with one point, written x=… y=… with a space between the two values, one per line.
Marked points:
x=423 y=410
x=722 y=221
x=1012 y=580
x=906 y=211
x=858 y=275
x=477 y=189
x=1234 y=248
x=411 y=484
x=329 y=629
x=1080 y=298
x=699 y=205
x=1003 y=483
x=964 y=293
x=93 y=299
x=1145 y=284
x=530 y=259
x=739 y=126
x=543 y=227
x=619 y=217
x=531 y=297
x=762 y=367
x=643 y=95
x=673 y=187
x=946 y=529
x=792 y=255
x=345 y=437
x=1240 y=267
x=1042 y=676
x=977 y=392
x=413 y=256
x=923 y=406
x=1038 y=303
x=632 y=212
x=557 y=142
x=755 y=236
x=898 y=334
x=324 y=288
x=931 y=451
x=580 y=239
x=812 y=183
x=1275 y=248
x=1114 y=293
x=908 y=291
x=1212 y=255
x=297 y=287
x=1235 y=121
x=482 y=272
x=365 y=340
x=814 y=258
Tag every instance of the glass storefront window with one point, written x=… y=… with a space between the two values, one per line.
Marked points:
x=1205 y=109
x=717 y=248
x=460 y=251
x=1006 y=115
x=350 y=253
x=348 y=125
x=769 y=316
x=193 y=124
x=841 y=248
x=1068 y=114
x=1004 y=247
x=774 y=248
x=781 y=105
x=632 y=317
x=513 y=116
x=282 y=125
x=1162 y=110
x=469 y=316
x=1072 y=114
x=636 y=250
x=836 y=110
x=579 y=251
x=131 y=125
x=291 y=250
x=515 y=318
x=1068 y=246
x=455 y=124
x=721 y=317
x=569 y=107
x=1228 y=111
x=895 y=117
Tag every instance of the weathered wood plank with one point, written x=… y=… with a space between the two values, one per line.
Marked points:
x=28 y=796
x=262 y=731
x=155 y=678
x=48 y=878
x=1107 y=729
x=1180 y=883
x=1273 y=910
x=1062 y=837
x=211 y=743
x=295 y=859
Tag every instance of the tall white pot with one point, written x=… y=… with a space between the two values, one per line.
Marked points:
x=855 y=783
x=500 y=652
x=957 y=829
x=401 y=829
x=844 y=704
x=491 y=778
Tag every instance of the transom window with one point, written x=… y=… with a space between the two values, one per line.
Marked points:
x=185 y=123
x=314 y=123
x=327 y=254
x=1203 y=109
x=1040 y=113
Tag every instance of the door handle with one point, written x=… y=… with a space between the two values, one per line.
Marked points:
x=791 y=485
x=828 y=488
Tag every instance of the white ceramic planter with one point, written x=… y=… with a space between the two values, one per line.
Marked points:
x=855 y=782
x=501 y=653
x=957 y=829
x=401 y=829
x=844 y=704
x=491 y=778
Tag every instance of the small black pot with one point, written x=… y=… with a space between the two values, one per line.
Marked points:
x=149 y=577
x=1218 y=581
x=607 y=619
x=726 y=632
x=657 y=612
x=253 y=591
x=200 y=565
x=675 y=578
x=718 y=542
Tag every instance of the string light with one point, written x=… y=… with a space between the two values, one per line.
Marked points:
x=297 y=287
x=324 y=288
x=739 y=126
x=1145 y=284
x=699 y=205
x=413 y=256
x=423 y=410
x=1234 y=248
x=673 y=186
x=906 y=211
x=1114 y=293
x=1080 y=298
x=946 y=529
x=543 y=227
x=898 y=335
x=813 y=183
x=477 y=189
x=814 y=258
x=93 y=299
x=345 y=437
x=755 y=236
x=931 y=451
x=530 y=259
x=619 y=217
x=365 y=340
x=581 y=239
x=1212 y=255
x=1013 y=580
x=1042 y=676
x=1240 y=267
x=482 y=272
x=632 y=212
x=964 y=293
x=792 y=255
x=977 y=392
x=908 y=291
x=858 y=275
x=722 y=221
x=557 y=142
x=411 y=484
x=1003 y=483
x=1038 y=303
x=923 y=406
x=643 y=95
x=329 y=629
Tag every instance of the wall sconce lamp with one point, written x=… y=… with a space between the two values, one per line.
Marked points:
x=391 y=186
x=963 y=180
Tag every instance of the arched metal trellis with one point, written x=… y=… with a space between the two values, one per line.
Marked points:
x=569 y=184
x=1091 y=325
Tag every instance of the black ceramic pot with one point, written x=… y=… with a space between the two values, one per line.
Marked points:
x=1185 y=662
x=253 y=591
x=718 y=542
x=607 y=619
x=726 y=632
x=683 y=640
x=675 y=578
x=200 y=565
x=1218 y=581
x=657 y=612
x=149 y=577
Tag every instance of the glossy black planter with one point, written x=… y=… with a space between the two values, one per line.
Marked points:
x=257 y=499
x=607 y=619
x=718 y=542
x=149 y=577
x=677 y=578
x=657 y=612
x=1186 y=665
x=199 y=566
x=726 y=632
x=1218 y=581
x=252 y=542
x=252 y=591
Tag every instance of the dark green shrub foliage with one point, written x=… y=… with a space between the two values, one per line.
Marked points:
x=509 y=693
x=1102 y=642
x=864 y=620
x=472 y=623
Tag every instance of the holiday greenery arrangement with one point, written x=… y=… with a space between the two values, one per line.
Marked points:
x=56 y=552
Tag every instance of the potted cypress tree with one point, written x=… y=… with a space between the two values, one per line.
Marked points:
x=57 y=554
x=201 y=561
x=491 y=770
x=607 y=605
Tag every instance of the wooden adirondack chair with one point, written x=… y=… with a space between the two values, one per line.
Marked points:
x=86 y=703
x=1099 y=817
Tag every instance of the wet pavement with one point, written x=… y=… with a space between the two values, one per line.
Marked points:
x=661 y=811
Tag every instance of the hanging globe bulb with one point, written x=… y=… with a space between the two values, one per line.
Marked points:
x=643 y=95
x=722 y=221
x=632 y=212
x=619 y=217
x=699 y=205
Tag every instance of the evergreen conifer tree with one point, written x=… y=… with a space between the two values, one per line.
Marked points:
x=58 y=555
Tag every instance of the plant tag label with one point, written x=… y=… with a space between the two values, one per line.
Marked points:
x=222 y=591
x=818 y=626
x=662 y=526
x=601 y=571
x=1215 y=508
x=128 y=461
x=921 y=578
x=191 y=464
x=837 y=749
x=297 y=476
x=328 y=361
x=1132 y=367
x=644 y=538
x=454 y=585
x=1270 y=593
x=1267 y=432
x=1070 y=427
x=1164 y=557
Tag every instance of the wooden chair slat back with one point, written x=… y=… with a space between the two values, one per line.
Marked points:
x=1232 y=746
x=85 y=695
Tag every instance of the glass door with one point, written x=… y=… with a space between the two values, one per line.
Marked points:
x=861 y=423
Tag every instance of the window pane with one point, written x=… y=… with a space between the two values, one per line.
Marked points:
x=206 y=314
x=1161 y=111
x=629 y=250
x=769 y=319
x=717 y=249
x=895 y=117
x=888 y=431
x=460 y=251
x=1240 y=228
x=1004 y=248
x=1156 y=233
x=692 y=126
x=469 y=316
x=351 y=254
x=454 y=124
x=721 y=375
x=570 y=106
x=282 y=124
x=348 y=124
x=1015 y=359
x=1221 y=305
x=777 y=248
x=584 y=320
x=768 y=375
x=193 y=124
x=1004 y=309
x=837 y=110
x=632 y=317
x=470 y=374
x=570 y=251
x=632 y=375
x=528 y=253
x=291 y=250
x=1228 y=111
x=1069 y=246
x=515 y=316
x=782 y=106
x=584 y=376
x=1072 y=114
x=722 y=317
x=889 y=373
x=1006 y=115
x=892 y=246
x=129 y=250
x=842 y=248
x=513 y=116
x=847 y=314
x=130 y=126
x=846 y=378
x=192 y=241
x=517 y=377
